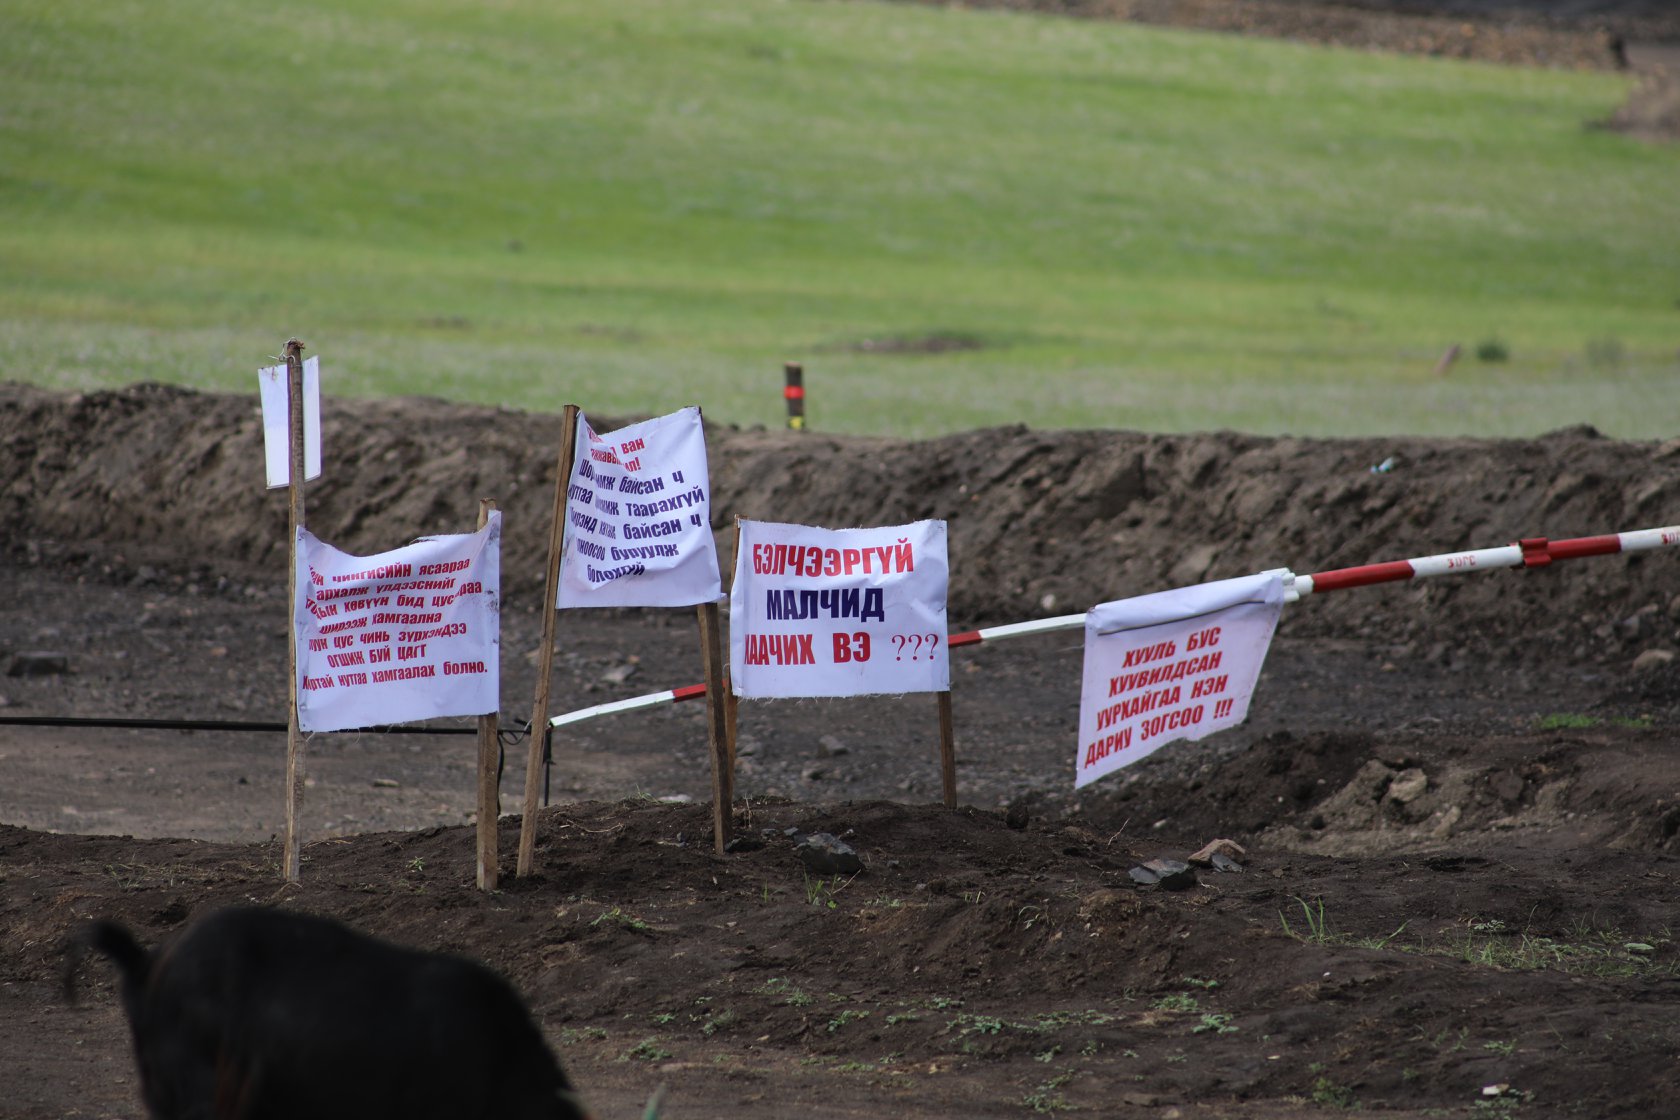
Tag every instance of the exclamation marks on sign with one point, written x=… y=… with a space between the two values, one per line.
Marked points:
x=1222 y=708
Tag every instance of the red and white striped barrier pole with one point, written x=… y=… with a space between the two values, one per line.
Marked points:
x=1531 y=552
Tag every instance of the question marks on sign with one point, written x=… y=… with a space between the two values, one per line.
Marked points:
x=915 y=643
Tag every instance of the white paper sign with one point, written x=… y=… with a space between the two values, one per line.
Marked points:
x=639 y=517
x=277 y=431
x=838 y=612
x=407 y=635
x=1173 y=665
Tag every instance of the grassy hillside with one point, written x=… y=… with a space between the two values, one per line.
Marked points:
x=650 y=203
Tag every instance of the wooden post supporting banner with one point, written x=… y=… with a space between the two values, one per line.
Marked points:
x=947 y=750
x=545 y=663
x=795 y=394
x=489 y=787
x=731 y=719
x=717 y=726
x=292 y=860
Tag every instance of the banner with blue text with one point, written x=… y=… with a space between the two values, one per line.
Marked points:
x=838 y=612
x=639 y=517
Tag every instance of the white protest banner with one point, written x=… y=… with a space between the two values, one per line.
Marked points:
x=639 y=517
x=407 y=635
x=277 y=431
x=838 y=612
x=1173 y=665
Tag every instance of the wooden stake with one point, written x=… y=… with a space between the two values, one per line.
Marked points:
x=293 y=859
x=947 y=750
x=731 y=719
x=717 y=726
x=489 y=789
x=545 y=666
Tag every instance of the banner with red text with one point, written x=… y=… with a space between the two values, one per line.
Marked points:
x=838 y=612
x=406 y=635
x=639 y=517
x=1173 y=665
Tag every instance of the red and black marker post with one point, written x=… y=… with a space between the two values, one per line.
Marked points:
x=795 y=394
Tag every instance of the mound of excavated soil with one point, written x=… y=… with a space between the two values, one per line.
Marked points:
x=1458 y=798
x=1585 y=35
x=1040 y=522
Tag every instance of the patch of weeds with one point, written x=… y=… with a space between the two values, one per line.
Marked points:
x=1194 y=982
x=1606 y=353
x=820 y=894
x=882 y=902
x=847 y=1016
x=1178 y=1056
x=1316 y=928
x=898 y=1017
x=1492 y=350
x=855 y=1067
x=1046 y=1021
x=1442 y=1039
x=417 y=864
x=1047 y=1056
x=1218 y=1023
x=570 y=1036
x=779 y=986
x=1047 y=1097
x=722 y=1020
x=1317 y=931
x=1089 y=1050
x=662 y=1018
x=977 y=1024
x=1177 y=1002
x=647 y=1050
x=1503 y=1049
x=1567 y=721
x=1327 y=1092
x=974 y=897
x=1588 y=951
x=1379 y=942
x=941 y=1003
x=127 y=876
x=622 y=918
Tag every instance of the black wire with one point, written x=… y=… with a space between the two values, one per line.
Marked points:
x=238 y=725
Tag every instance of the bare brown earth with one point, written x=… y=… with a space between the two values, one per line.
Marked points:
x=1459 y=798
x=1576 y=34
x=1641 y=36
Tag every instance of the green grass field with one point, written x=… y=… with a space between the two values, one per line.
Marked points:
x=651 y=203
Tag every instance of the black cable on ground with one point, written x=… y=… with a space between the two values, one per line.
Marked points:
x=235 y=725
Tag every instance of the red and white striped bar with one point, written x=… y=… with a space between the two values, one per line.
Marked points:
x=651 y=700
x=1531 y=552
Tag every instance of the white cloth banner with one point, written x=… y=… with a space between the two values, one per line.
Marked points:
x=407 y=635
x=277 y=428
x=639 y=517
x=838 y=612
x=1174 y=665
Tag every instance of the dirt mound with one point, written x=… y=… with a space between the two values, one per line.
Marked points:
x=1458 y=797
x=1652 y=111
x=1557 y=33
x=1040 y=522
x=972 y=969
